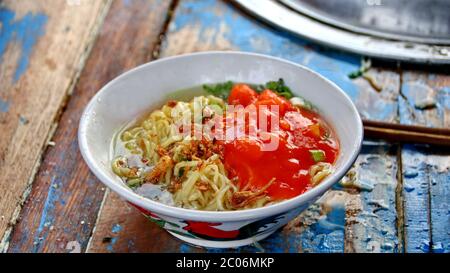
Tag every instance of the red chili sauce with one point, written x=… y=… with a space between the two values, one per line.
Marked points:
x=301 y=133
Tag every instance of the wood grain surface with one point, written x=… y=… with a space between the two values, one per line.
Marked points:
x=63 y=205
x=43 y=45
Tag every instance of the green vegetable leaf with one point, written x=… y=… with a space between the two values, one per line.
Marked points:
x=280 y=88
x=365 y=66
x=221 y=90
x=258 y=87
x=181 y=171
x=134 y=182
x=355 y=74
x=317 y=155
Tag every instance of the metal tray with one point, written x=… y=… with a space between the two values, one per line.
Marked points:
x=377 y=41
x=423 y=21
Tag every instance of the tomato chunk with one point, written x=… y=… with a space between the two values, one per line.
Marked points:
x=271 y=97
x=242 y=94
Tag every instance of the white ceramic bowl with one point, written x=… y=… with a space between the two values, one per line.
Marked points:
x=146 y=87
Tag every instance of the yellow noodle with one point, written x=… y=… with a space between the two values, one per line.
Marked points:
x=158 y=130
x=320 y=171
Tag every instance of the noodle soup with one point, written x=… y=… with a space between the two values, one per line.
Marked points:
x=230 y=147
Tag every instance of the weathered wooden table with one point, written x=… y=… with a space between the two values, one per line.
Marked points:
x=54 y=56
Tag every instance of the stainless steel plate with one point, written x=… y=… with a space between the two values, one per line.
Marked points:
x=362 y=43
x=424 y=21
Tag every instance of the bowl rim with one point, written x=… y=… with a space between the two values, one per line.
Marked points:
x=217 y=216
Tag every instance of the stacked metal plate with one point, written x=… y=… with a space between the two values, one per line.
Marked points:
x=409 y=30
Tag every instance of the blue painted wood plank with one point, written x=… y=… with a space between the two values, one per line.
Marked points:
x=216 y=25
x=416 y=196
x=431 y=92
x=24 y=31
x=426 y=171
x=323 y=225
x=20 y=32
x=374 y=228
x=440 y=207
x=440 y=176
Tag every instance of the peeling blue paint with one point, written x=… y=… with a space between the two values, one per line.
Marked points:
x=47 y=216
x=116 y=228
x=414 y=90
x=440 y=218
x=185 y=248
x=24 y=31
x=126 y=3
x=377 y=221
x=4 y=106
x=110 y=246
x=58 y=195
x=326 y=235
x=23 y=120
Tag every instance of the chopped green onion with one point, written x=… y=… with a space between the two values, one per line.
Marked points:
x=280 y=88
x=317 y=155
x=366 y=64
x=181 y=172
x=221 y=90
x=134 y=182
x=355 y=74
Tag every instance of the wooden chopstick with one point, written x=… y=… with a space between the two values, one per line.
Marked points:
x=406 y=133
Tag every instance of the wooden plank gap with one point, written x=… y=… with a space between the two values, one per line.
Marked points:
x=399 y=201
x=155 y=53
x=399 y=198
x=430 y=220
x=100 y=211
